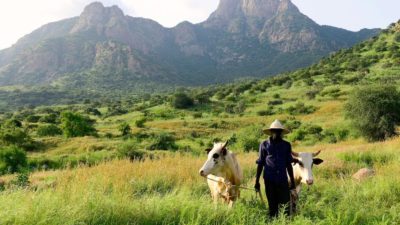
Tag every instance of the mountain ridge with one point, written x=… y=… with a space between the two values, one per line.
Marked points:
x=102 y=40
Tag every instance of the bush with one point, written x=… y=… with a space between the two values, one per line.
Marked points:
x=140 y=122
x=397 y=37
x=182 y=101
x=300 y=108
x=93 y=111
x=49 y=130
x=22 y=180
x=267 y=112
x=16 y=136
x=374 y=111
x=124 y=129
x=249 y=138
x=197 y=115
x=275 y=102
x=50 y=118
x=163 y=141
x=33 y=119
x=130 y=150
x=12 y=159
x=76 y=125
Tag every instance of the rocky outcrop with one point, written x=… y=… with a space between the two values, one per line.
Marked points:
x=363 y=174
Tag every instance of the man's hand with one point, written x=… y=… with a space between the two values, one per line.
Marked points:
x=257 y=186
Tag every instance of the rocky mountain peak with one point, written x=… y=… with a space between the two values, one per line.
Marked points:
x=287 y=6
x=95 y=16
x=229 y=9
x=264 y=9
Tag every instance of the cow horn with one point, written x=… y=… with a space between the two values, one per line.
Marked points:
x=295 y=154
x=226 y=144
x=316 y=153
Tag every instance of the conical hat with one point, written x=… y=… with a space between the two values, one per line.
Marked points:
x=276 y=125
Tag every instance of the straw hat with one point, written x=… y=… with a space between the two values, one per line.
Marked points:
x=276 y=125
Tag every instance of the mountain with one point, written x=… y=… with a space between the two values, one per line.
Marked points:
x=104 y=49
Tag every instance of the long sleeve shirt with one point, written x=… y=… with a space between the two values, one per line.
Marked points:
x=275 y=156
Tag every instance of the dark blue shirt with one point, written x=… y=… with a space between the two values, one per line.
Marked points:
x=275 y=156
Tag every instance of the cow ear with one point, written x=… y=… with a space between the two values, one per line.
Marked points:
x=208 y=150
x=317 y=161
x=224 y=151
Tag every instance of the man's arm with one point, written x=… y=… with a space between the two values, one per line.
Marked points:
x=289 y=168
x=260 y=165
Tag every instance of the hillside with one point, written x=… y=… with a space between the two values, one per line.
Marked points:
x=150 y=176
x=104 y=49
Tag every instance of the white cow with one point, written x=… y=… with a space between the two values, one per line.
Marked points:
x=302 y=168
x=224 y=175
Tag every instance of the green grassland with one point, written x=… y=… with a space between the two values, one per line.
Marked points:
x=90 y=180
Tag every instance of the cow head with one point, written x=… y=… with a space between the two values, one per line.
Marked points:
x=305 y=161
x=215 y=160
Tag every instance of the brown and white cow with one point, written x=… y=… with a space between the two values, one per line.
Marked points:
x=224 y=175
x=302 y=168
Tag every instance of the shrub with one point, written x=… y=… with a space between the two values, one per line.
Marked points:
x=22 y=180
x=76 y=125
x=13 y=123
x=182 y=101
x=249 y=138
x=12 y=159
x=140 y=122
x=50 y=118
x=49 y=130
x=275 y=102
x=124 y=129
x=93 y=111
x=33 y=119
x=332 y=92
x=116 y=111
x=130 y=150
x=197 y=115
x=17 y=136
x=163 y=141
x=300 y=108
x=374 y=111
x=397 y=37
x=267 y=112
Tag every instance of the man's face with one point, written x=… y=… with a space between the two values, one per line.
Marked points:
x=276 y=133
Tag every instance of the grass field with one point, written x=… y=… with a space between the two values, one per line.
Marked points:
x=170 y=191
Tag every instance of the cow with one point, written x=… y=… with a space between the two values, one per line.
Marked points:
x=223 y=173
x=302 y=169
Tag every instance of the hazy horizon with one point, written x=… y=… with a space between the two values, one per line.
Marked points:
x=353 y=15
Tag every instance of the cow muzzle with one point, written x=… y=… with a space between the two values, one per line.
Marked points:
x=309 y=182
x=201 y=172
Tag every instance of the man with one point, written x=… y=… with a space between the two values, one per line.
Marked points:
x=275 y=157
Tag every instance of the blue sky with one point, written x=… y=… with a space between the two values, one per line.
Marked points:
x=20 y=17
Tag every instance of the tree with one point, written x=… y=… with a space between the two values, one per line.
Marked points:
x=374 y=111
x=12 y=159
x=125 y=129
x=76 y=125
x=182 y=101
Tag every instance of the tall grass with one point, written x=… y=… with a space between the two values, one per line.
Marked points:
x=169 y=191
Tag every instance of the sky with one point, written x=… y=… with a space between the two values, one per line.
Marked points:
x=20 y=17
